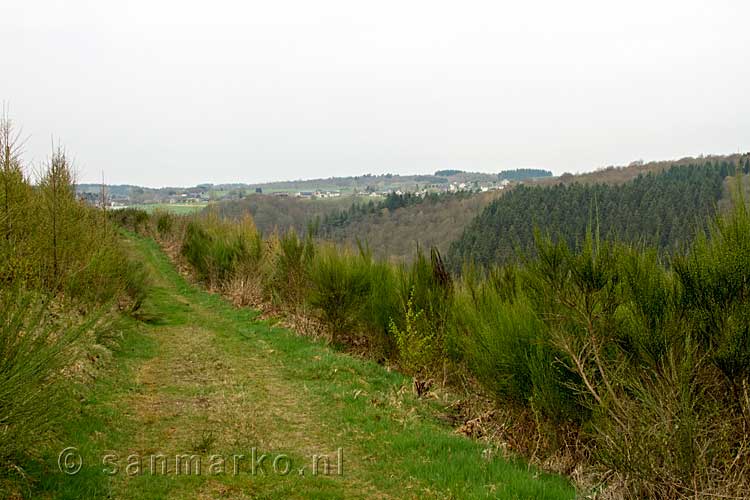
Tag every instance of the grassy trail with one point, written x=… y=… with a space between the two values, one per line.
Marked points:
x=203 y=378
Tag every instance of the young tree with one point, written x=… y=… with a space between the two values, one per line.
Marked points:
x=57 y=191
x=12 y=182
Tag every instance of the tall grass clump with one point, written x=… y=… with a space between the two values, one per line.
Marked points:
x=218 y=249
x=286 y=270
x=504 y=344
x=33 y=398
x=339 y=286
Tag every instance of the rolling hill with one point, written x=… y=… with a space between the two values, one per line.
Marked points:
x=660 y=204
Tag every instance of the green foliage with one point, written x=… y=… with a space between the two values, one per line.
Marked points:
x=503 y=343
x=58 y=245
x=382 y=305
x=218 y=249
x=426 y=291
x=715 y=291
x=132 y=219
x=33 y=349
x=520 y=174
x=448 y=172
x=411 y=222
x=358 y=211
x=647 y=355
x=289 y=270
x=111 y=275
x=418 y=343
x=340 y=285
x=662 y=210
x=164 y=223
x=62 y=270
x=281 y=214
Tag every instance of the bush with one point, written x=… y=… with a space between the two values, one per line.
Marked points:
x=382 y=305
x=340 y=284
x=505 y=345
x=218 y=249
x=33 y=351
x=132 y=219
x=287 y=271
x=164 y=223
x=420 y=327
x=109 y=276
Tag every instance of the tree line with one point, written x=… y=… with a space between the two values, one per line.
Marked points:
x=661 y=209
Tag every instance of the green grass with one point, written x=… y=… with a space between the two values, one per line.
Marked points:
x=290 y=395
x=175 y=208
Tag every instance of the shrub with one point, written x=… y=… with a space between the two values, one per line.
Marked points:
x=132 y=219
x=70 y=256
x=426 y=297
x=287 y=278
x=109 y=276
x=33 y=350
x=340 y=284
x=218 y=249
x=418 y=342
x=164 y=223
x=505 y=345
x=382 y=305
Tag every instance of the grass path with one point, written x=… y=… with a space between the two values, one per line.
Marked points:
x=204 y=379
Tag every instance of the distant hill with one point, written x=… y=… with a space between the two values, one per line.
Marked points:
x=363 y=185
x=661 y=203
x=391 y=182
x=275 y=213
x=394 y=228
x=521 y=174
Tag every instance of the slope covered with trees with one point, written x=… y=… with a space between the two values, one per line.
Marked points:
x=396 y=226
x=273 y=213
x=663 y=209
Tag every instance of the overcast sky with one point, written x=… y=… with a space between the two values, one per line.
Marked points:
x=177 y=92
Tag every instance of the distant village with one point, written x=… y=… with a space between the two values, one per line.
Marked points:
x=453 y=187
x=367 y=186
x=116 y=200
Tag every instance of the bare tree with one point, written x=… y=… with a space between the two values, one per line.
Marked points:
x=58 y=197
x=11 y=173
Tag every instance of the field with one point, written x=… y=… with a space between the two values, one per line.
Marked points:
x=175 y=208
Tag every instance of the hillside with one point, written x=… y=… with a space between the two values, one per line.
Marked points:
x=658 y=203
x=394 y=233
x=282 y=213
x=363 y=186
x=439 y=181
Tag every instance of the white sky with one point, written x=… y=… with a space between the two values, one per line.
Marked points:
x=178 y=92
